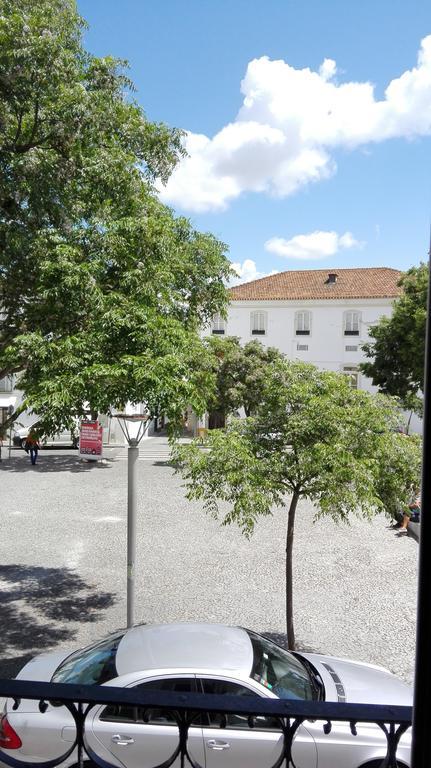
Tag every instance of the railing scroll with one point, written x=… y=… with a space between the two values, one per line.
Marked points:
x=185 y=708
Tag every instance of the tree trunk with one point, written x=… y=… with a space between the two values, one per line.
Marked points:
x=408 y=423
x=289 y=576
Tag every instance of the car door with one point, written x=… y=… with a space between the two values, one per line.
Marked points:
x=120 y=732
x=239 y=746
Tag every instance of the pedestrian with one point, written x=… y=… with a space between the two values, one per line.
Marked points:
x=411 y=512
x=32 y=446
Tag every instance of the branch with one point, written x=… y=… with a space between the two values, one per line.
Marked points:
x=9 y=371
x=35 y=122
x=18 y=130
x=21 y=148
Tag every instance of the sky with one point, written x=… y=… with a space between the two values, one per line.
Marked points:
x=308 y=123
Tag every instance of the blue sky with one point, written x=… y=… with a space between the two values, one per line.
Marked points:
x=306 y=167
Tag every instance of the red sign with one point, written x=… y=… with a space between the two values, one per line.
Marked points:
x=90 y=440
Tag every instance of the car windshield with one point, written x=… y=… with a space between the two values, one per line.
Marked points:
x=92 y=665
x=279 y=671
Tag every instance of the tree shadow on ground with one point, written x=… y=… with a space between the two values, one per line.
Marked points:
x=40 y=608
x=52 y=464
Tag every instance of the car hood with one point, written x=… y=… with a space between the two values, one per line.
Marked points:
x=360 y=683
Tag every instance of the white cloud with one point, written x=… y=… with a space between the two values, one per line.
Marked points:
x=315 y=245
x=327 y=69
x=290 y=122
x=248 y=271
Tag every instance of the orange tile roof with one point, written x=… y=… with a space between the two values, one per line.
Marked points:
x=360 y=283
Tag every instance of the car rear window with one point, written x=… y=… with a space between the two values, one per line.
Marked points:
x=92 y=665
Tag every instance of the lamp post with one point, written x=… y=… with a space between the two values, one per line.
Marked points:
x=133 y=426
x=10 y=413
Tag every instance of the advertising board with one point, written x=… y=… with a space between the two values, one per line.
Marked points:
x=90 y=440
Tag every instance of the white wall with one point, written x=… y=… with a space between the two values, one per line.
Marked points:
x=326 y=342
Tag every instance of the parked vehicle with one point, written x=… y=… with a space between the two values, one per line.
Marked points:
x=66 y=439
x=206 y=658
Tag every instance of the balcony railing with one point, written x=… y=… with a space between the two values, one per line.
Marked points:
x=186 y=709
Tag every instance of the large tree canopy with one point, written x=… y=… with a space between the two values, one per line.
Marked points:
x=102 y=288
x=312 y=436
x=397 y=351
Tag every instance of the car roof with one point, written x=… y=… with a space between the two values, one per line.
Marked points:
x=185 y=646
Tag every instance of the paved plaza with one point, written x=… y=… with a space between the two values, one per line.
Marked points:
x=63 y=564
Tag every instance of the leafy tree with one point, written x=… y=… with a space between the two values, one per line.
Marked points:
x=239 y=374
x=102 y=288
x=399 y=461
x=397 y=351
x=312 y=436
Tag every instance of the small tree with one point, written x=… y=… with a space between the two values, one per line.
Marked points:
x=397 y=351
x=314 y=437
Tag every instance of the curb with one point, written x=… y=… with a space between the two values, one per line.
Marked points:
x=414 y=530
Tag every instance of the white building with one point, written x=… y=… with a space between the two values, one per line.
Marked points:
x=8 y=397
x=318 y=316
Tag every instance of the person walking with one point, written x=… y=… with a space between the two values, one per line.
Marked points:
x=32 y=447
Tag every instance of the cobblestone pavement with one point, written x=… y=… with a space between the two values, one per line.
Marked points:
x=63 y=551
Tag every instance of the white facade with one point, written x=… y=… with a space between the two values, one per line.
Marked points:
x=326 y=332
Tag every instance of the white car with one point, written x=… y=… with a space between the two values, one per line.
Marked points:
x=66 y=439
x=205 y=658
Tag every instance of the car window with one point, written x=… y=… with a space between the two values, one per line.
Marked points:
x=278 y=670
x=230 y=688
x=92 y=665
x=118 y=713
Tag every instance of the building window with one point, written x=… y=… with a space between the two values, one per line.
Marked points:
x=302 y=323
x=3 y=416
x=218 y=325
x=6 y=384
x=351 y=348
x=258 y=323
x=353 y=374
x=351 y=323
x=302 y=347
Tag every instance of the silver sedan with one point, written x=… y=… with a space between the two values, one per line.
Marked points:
x=206 y=658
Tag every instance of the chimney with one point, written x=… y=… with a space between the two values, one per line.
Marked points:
x=332 y=278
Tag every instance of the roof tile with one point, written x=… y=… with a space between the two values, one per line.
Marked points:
x=360 y=283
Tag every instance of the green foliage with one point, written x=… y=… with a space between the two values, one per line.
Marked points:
x=399 y=470
x=397 y=353
x=239 y=373
x=311 y=436
x=102 y=288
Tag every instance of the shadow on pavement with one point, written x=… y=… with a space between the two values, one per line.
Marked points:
x=39 y=608
x=52 y=464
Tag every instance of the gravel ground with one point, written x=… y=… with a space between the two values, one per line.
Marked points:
x=62 y=565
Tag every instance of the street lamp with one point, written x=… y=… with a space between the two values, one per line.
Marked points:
x=133 y=427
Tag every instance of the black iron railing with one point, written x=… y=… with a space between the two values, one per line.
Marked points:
x=186 y=709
